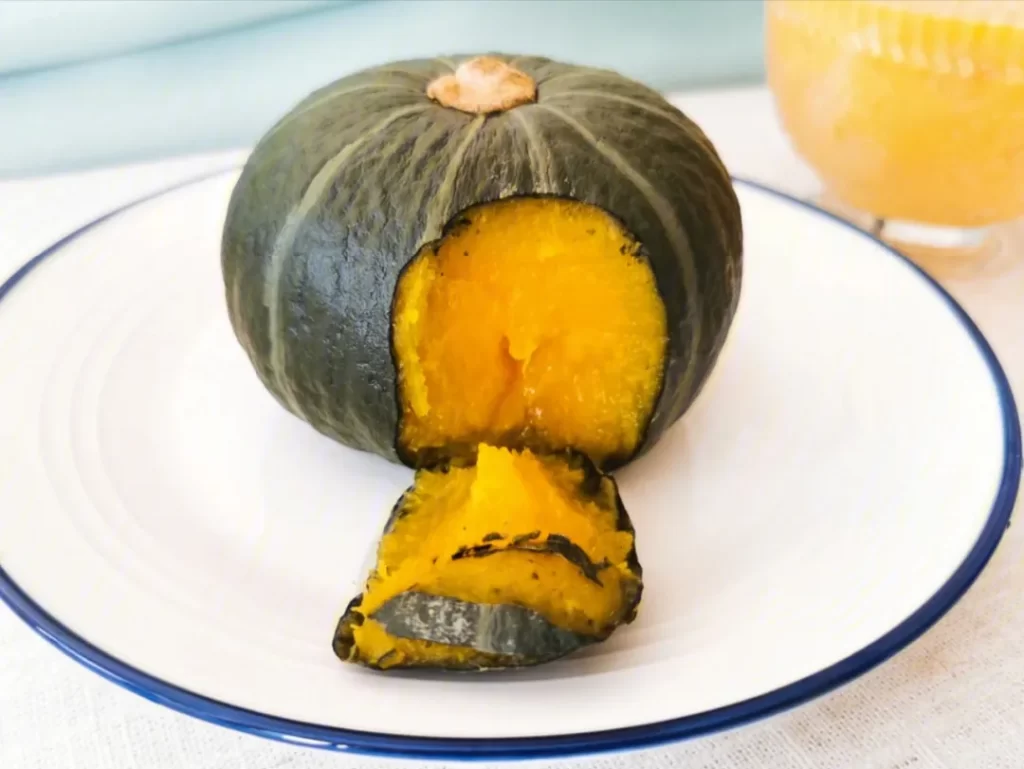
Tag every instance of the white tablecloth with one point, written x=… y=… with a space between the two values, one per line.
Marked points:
x=953 y=700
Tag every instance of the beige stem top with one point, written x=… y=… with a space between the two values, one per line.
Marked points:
x=484 y=84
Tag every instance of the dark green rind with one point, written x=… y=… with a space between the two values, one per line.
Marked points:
x=510 y=627
x=344 y=642
x=402 y=185
x=493 y=629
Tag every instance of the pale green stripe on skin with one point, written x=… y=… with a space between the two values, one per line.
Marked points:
x=558 y=79
x=638 y=103
x=326 y=98
x=438 y=213
x=540 y=169
x=673 y=228
x=234 y=302
x=317 y=188
x=674 y=117
x=402 y=71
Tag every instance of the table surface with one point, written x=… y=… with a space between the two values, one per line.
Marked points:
x=954 y=699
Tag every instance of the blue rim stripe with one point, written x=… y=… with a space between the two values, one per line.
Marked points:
x=644 y=736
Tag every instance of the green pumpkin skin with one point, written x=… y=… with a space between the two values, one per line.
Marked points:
x=345 y=189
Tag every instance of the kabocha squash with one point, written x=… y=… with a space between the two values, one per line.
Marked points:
x=513 y=560
x=513 y=275
x=370 y=174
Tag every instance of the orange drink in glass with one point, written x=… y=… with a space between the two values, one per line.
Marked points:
x=910 y=111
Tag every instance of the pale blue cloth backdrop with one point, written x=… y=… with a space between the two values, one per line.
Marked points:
x=84 y=84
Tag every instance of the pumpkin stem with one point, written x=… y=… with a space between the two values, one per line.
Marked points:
x=483 y=84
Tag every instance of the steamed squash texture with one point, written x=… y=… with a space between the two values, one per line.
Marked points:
x=512 y=275
x=526 y=557
x=567 y=340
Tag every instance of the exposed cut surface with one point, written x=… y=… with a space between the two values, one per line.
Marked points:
x=534 y=322
x=516 y=560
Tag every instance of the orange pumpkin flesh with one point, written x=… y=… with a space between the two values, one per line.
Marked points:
x=534 y=324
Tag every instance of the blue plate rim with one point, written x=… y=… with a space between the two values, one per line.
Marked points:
x=570 y=745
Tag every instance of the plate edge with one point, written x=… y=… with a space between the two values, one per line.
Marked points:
x=585 y=743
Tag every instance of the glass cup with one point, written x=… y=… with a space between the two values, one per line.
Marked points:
x=910 y=111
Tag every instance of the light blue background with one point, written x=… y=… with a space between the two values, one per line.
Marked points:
x=97 y=83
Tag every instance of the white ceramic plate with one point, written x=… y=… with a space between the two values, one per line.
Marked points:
x=843 y=478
